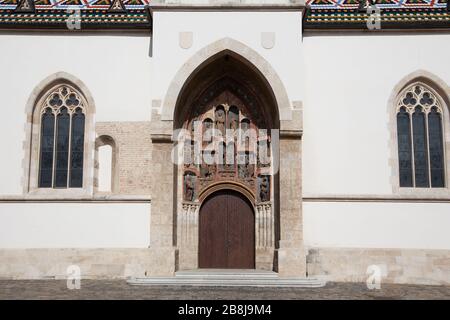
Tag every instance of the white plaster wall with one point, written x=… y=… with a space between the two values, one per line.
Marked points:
x=74 y=225
x=349 y=79
x=344 y=81
x=286 y=57
x=115 y=67
x=377 y=225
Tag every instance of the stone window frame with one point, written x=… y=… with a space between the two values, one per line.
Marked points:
x=32 y=138
x=442 y=92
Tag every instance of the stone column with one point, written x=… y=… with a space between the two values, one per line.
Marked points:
x=162 y=205
x=188 y=236
x=291 y=254
x=264 y=236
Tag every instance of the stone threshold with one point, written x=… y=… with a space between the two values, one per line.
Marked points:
x=227 y=278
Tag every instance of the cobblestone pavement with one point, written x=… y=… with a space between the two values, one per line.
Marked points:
x=119 y=289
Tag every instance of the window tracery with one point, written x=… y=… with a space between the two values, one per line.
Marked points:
x=61 y=139
x=420 y=138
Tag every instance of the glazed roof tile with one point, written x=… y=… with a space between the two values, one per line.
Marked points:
x=132 y=14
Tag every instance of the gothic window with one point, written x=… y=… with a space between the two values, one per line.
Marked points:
x=420 y=138
x=61 y=149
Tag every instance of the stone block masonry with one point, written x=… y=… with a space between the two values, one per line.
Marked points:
x=133 y=154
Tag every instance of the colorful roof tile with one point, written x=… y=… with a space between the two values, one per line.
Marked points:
x=98 y=14
x=132 y=14
x=392 y=14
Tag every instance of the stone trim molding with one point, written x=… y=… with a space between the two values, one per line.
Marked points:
x=442 y=92
x=161 y=138
x=291 y=134
x=32 y=131
x=67 y=199
x=203 y=55
x=432 y=197
x=229 y=5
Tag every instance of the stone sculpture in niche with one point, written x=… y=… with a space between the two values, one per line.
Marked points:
x=189 y=153
x=263 y=153
x=189 y=186
x=245 y=169
x=207 y=165
x=220 y=120
x=233 y=118
x=264 y=188
x=207 y=131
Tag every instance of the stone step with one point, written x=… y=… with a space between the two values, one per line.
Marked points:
x=219 y=274
x=228 y=282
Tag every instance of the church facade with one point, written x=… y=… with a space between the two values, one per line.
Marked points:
x=141 y=138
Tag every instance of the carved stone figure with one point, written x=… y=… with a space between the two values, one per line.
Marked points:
x=245 y=169
x=233 y=118
x=206 y=171
x=189 y=187
x=220 y=120
x=264 y=189
x=245 y=125
x=207 y=168
x=263 y=153
x=207 y=131
x=245 y=134
x=187 y=153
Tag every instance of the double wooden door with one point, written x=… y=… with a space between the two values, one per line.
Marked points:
x=227 y=232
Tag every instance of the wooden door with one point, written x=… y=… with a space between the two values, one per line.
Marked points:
x=227 y=232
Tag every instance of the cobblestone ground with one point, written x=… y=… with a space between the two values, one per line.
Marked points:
x=119 y=289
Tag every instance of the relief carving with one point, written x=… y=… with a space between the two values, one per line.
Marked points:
x=264 y=188
x=220 y=120
x=189 y=186
x=228 y=156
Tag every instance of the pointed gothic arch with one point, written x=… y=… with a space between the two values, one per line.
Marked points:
x=222 y=91
x=32 y=145
x=420 y=80
x=246 y=55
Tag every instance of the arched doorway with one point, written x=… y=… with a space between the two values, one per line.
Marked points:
x=226 y=232
x=226 y=116
x=222 y=76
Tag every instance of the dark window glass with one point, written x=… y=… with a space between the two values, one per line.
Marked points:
x=46 y=156
x=404 y=148
x=62 y=148
x=420 y=148
x=436 y=148
x=77 y=147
